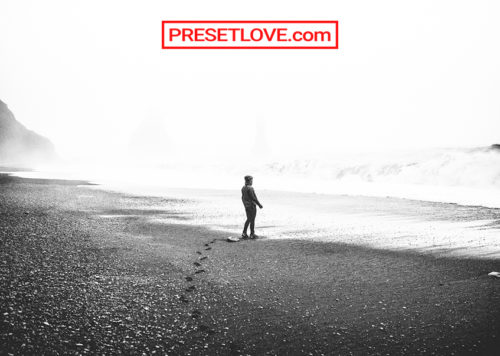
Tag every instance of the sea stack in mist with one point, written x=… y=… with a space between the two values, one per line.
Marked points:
x=19 y=146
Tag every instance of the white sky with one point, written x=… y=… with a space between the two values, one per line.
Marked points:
x=91 y=76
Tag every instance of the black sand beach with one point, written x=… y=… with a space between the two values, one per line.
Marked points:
x=84 y=271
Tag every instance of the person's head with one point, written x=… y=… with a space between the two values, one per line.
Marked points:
x=248 y=180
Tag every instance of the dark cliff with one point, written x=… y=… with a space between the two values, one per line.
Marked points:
x=20 y=146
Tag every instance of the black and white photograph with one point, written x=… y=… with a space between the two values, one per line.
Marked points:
x=249 y=178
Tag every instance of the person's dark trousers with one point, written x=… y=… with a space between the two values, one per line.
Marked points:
x=251 y=213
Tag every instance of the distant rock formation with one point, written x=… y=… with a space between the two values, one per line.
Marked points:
x=19 y=146
x=495 y=146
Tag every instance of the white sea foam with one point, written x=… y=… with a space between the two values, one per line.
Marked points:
x=384 y=223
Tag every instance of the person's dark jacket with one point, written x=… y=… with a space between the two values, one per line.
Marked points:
x=248 y=197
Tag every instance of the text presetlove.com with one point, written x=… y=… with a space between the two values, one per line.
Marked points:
x=250 y=34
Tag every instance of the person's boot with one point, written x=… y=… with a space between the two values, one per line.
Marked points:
x=244 y=236
x=253 y=236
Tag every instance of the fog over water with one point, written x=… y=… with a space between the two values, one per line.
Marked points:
x=407 y=107
x=103 y=90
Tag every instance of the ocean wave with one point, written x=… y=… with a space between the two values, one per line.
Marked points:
x=478 y=167
x=463 y=176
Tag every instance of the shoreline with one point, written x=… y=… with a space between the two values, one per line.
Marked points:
x=118 y=284
x=427 y=198
x=398 y=224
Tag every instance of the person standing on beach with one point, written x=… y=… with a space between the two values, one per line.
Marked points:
x=249 y=201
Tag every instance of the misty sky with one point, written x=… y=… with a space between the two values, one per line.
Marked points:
x=91 y=76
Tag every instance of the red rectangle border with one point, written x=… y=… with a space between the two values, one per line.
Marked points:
x=336 y=23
